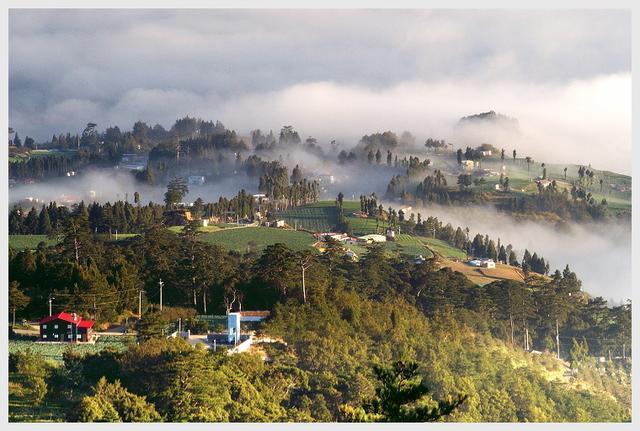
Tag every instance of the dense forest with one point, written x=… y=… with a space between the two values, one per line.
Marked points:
x=351 y=318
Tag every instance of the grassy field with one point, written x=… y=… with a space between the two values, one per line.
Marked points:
x=240 y=239
x=316 y=217
x=22 y=242
x=443 y=248
x=53 y=351
x=409 y=245
x=203 y=229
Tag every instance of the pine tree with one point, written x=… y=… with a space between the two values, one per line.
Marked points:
x=398 y=398
x=44 y=222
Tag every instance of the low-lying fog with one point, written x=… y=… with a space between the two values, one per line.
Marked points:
x=599 y=254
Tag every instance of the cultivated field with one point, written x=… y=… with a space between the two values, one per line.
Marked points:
x=23 y=242
x=482 y=276
x=316 y=217
x=54 y=351
x=258 y=238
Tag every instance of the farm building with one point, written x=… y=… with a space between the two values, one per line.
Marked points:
x=66 y=327
x=484 y=263
x=488 y=263
x=275 y=223
x=368 y=239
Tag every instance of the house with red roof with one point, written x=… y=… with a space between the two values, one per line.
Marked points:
x=66 y=327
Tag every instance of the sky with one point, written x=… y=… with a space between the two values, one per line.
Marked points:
x=333 y=74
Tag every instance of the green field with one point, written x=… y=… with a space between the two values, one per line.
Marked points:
x=409 y=245
x=316 y=217
x=53 y=351
x=22 y=242
x=443 y=248
x=240 y=239
x=203 y=229
x=320 y=216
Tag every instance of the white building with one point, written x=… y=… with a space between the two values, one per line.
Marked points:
x=488 y=263
x=368 y=239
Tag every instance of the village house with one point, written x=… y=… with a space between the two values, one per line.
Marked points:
x=66 y=327
x=275 y=223
x=484 y=263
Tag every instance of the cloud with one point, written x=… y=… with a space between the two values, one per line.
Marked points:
x=340 y=73
x=598 y=254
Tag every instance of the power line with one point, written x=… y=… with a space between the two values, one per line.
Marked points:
x=118 y=292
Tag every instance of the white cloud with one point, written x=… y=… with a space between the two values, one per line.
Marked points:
x=339 y=73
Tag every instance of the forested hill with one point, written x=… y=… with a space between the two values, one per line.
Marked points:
x=349 y=317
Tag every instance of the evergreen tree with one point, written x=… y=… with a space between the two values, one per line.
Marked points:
x=398 y=398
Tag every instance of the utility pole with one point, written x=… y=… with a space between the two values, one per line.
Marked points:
x=558 y=338
x=623 y=351
x=51 y=298
x=161 y=284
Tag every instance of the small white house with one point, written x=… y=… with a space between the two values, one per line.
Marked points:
x=485 y=153
x=488 y=263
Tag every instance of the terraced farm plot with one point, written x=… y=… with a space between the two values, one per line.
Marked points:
x=410 y=246
x=316 y=217
x=240 y=239
x=23 y=242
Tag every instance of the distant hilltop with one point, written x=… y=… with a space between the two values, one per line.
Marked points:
x=490 y=117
